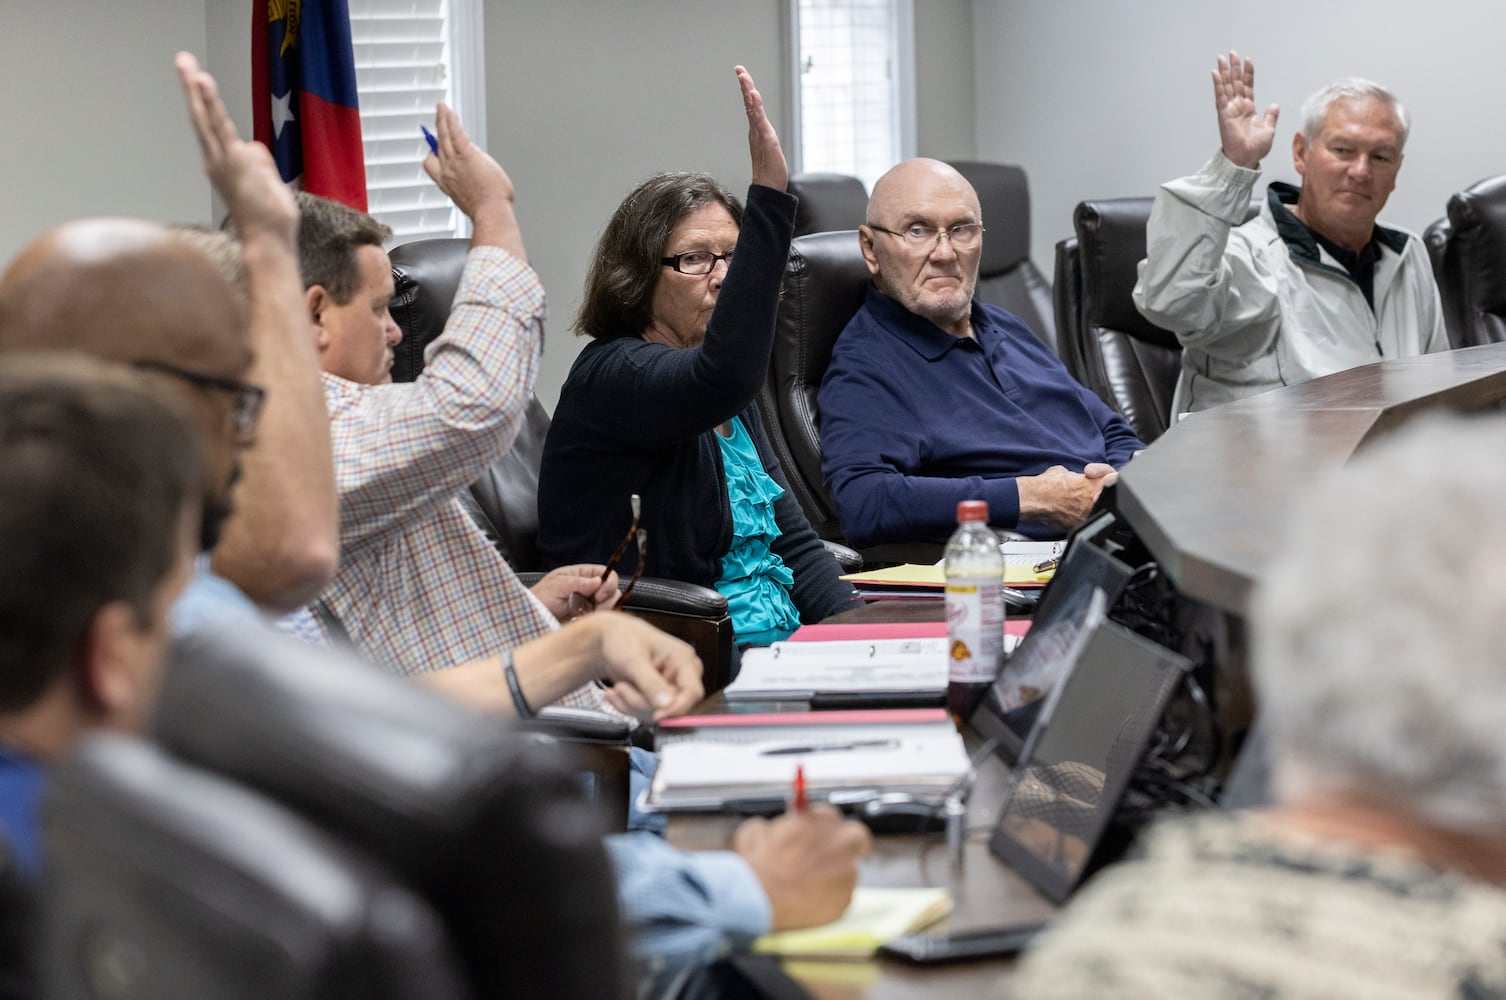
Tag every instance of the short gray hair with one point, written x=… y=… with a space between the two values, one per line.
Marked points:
x=1380 y=629
x=1315 y=108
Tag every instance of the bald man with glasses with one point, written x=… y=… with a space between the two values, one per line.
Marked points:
x=933 y=397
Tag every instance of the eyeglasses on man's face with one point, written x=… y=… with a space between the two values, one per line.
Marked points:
x=697 y=261
x=963 y=236
x=248 y=398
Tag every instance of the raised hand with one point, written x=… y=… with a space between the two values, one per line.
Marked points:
x=242 y=172
x=1244 y=134
x=769 y=167
x=476 y=183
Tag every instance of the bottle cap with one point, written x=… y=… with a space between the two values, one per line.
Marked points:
x=973 y=510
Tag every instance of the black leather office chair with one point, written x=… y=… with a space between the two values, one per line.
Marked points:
x=492 y=826
x=1474 y=261
x=825 y=283
x=828 y=202
x=167 y=881
x=1007 y=277
x=1435 y=238
x=324 y=829
x=504 y=500
x=1131 y=363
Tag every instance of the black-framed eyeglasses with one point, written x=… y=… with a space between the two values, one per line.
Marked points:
x=578 y=603
x=697 y=261
x=248 y=398
x=963 y=236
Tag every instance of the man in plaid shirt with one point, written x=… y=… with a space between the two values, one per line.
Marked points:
x=420 y=588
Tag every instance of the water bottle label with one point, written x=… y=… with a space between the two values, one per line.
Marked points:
x=975 y=630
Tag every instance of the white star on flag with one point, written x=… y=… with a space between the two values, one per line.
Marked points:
x=282 y=112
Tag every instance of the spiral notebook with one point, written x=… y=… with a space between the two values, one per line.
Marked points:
x=747 y=763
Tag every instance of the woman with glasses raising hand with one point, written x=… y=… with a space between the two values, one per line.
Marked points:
x=680 y=302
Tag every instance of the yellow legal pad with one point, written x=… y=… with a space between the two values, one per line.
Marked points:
x=916 y=575
x=875 y=917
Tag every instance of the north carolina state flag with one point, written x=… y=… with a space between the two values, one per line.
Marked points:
x=303 y=87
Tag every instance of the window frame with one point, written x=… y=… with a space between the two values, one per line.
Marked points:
x=464 y=76
x=902 y=58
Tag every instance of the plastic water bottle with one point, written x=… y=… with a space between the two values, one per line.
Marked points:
x=974 y=609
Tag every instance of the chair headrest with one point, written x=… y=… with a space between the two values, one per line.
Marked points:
x=425 y=275
x=1477 y=216
x=828 y=202
x=825 y=283
x=449 y=798
x=1004 y=199
x=1111 y=244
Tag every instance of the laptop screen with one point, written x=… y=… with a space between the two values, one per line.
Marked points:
x=1007 y=710
x=1086 y=742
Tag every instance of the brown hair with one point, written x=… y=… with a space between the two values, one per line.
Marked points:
x=329 y=234
x=625 y=267
x=99 y=472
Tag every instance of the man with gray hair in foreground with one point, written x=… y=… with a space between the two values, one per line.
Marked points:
x=1310 y=286
x=1381 y=869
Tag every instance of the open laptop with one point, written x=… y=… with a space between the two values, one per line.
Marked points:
x=1007 y=710
x=1088 y=737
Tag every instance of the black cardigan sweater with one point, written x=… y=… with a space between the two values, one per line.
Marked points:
x=639 y=417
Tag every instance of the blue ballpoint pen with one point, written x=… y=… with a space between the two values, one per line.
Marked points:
x=433 y=142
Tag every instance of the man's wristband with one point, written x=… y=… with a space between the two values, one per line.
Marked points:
x=518 y=701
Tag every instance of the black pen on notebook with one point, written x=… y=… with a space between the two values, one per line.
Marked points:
x=805 y=748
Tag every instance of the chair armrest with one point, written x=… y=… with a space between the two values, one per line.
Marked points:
x=655 y=593
x=596 y=744
x=580 y=724
x=686 y=611
x=848 y=559
x=676 y=597
x=701 y=619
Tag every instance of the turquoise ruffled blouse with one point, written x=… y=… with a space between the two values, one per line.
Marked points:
x=755 y=581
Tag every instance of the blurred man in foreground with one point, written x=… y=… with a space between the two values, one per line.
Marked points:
x=1381 y=869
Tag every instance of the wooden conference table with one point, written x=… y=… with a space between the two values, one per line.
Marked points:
x=985 y=893
x=1210 y=495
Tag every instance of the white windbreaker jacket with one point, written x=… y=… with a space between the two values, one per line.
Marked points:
x=1261 y=305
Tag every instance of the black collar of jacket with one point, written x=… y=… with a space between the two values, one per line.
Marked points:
x=1299 y=239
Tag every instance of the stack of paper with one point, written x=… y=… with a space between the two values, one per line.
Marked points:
x=853 y=668
x=875 y=917
x=714 y=761
x=804 y=669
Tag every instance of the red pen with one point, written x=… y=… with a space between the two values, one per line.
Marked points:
x=799 y=805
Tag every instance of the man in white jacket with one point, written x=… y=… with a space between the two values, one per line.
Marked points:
x=1310 y=286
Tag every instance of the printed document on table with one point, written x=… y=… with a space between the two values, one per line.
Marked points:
x=805 y=669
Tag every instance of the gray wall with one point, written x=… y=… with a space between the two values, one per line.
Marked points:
x=944 y=89
x=585 y=99
x=1112 y=98
x=93 y=119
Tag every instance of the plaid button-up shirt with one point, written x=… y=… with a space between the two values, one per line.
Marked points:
x=420 y=588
